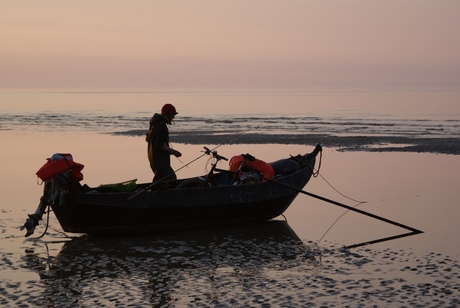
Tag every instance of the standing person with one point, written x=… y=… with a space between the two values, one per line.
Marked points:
x=159 y=150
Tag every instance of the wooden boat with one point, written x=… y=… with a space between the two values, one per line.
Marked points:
x=155 y=208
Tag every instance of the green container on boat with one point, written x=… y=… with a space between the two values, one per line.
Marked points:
x=122 y=187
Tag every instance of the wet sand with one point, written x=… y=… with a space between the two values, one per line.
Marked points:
x=258 y=266
x=414 y=144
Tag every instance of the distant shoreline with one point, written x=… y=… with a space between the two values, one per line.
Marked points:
x=411 y=144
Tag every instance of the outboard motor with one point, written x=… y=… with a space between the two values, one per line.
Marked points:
x=59 y=174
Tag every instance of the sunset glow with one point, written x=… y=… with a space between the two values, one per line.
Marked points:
x=280 y=45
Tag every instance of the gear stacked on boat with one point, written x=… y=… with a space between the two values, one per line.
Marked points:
x=252 y=164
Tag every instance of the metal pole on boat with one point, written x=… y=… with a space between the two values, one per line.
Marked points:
x=155 y=183
x=186 y=165
x=413 y=230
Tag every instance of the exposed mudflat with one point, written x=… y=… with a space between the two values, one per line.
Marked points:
x=259 y=266
x=343 y=143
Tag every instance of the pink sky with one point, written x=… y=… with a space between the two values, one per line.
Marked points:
x=220 y=44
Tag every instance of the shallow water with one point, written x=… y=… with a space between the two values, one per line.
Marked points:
x=298 y=263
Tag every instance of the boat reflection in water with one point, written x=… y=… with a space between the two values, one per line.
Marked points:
x=202 y=266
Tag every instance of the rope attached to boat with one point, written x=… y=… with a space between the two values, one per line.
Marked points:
x=316 y=172
x=47 y=223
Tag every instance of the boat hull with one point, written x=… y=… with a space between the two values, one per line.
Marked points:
x=155 y=211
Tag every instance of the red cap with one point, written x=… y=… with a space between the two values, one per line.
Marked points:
x=169 y=109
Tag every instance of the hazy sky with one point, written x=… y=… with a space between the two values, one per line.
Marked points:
x=220 y=44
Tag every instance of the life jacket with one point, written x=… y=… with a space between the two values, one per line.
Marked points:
x=60 y=163
x=252 y=163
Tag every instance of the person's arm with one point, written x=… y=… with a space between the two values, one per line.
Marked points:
x=171 y=151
